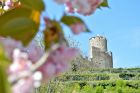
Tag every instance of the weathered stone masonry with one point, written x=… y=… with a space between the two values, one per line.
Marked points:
x=99 y=55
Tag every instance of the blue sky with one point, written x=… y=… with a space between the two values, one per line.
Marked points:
x=120 y=24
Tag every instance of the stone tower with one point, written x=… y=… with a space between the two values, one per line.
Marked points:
x=99 y=54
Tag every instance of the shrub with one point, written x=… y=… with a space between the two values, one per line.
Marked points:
x=99 y=89
x=126 y=76
x=119 y=90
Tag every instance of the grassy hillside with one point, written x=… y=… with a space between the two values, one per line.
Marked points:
x=95 y=81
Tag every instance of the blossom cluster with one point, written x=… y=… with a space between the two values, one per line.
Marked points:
x=22 y=64
x=8 y=4
x=24 y=58
x=58 y=61
x=85 y=7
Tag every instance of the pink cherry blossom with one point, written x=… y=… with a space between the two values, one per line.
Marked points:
x=69 y=8
x=58 y=61
x=77 y=28
x=34 y=51
x=8 y=4
x=19 y=65
x=10 y=45
x=22 y=64
x=84 y=7
x=23 y=86
x=27 y=85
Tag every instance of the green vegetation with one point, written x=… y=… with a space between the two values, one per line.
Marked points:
x=95 y=81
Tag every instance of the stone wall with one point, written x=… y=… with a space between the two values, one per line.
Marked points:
x=99 y=55
x=102 y=59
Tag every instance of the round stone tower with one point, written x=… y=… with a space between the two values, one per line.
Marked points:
x=99 y=42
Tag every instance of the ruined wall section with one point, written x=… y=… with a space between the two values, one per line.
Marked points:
x=99 y=54
x=102 y=59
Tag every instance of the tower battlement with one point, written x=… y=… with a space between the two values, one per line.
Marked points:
x=99 y=42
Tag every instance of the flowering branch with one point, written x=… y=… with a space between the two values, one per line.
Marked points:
x=43 y=59
x=34 y=67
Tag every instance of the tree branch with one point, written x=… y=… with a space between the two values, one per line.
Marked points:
x=34 y=67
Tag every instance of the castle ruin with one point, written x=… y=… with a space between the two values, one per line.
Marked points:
x=99 y=55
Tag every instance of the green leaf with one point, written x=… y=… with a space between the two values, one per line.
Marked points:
x=3 y=59
x=20 y=24
x=4 y=84
x=104 y=4
x=33 y=4
x=24 y=29
x=4 y=62
x=70 y=20
x=11 y=14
